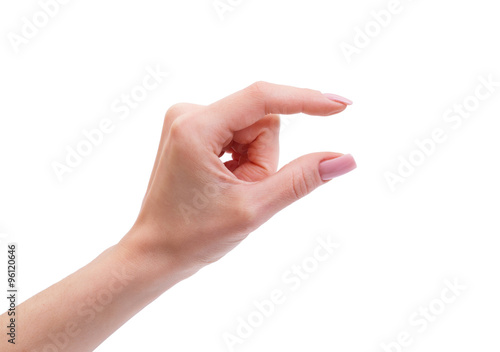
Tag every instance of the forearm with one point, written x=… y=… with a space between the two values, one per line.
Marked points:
x=81 y=311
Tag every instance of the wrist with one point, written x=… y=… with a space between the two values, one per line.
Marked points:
x=156 y=268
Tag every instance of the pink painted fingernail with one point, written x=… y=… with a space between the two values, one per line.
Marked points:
x=338 y=98
x=332 y=168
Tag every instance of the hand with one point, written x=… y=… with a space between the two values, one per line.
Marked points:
x=196 y=207
x=195 y=210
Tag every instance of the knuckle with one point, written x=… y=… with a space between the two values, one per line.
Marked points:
x=170 y=116
x=177 y=109
x=256 y=92
x=179 y=127
x=245 y=213
x=258 y=88
x=274 y=123
x=303 y=183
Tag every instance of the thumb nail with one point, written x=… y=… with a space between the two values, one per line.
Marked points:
x=332 y=168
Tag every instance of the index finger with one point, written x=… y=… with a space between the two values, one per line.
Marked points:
x=244 y=108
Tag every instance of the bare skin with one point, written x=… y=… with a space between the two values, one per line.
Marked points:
x=196 y=209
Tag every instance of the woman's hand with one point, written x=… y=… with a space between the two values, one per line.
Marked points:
x=198 y=208
x=195 y=210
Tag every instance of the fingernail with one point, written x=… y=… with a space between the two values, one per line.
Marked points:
x=332 y=168
x=338 y=98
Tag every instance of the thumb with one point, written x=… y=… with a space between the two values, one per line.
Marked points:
x=299 y=178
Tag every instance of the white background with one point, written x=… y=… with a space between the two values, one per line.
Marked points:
x=396 y=247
